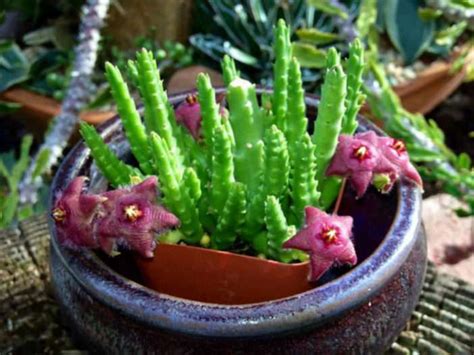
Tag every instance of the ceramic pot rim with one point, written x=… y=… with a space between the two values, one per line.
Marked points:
x=284 y=315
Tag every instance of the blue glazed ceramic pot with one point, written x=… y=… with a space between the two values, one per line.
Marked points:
x=359 y=310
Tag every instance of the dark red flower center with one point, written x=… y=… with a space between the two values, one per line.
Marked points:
x=58 y=214
x=132 y=212
x=361 y=153
x=399 y=146
x=191 y=99
x=329 y=234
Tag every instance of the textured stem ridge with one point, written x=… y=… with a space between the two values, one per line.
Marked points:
x=115 y=171
x=156 y=104
x=273 y=180
x=231 y=219
x=209 y=109
x=177 y=197
x=276 y=225
x=355 y=97
x=222 y=169
x=296 y=115
x=229 y=71
x=247 y=125
x=282 y=48
x=134 y=129
x=328 y=124
x=77 y=96
x=303 y=183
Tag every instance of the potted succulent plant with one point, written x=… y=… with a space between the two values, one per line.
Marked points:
x=246 y=197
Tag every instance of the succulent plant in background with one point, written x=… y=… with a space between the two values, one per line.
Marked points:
x=424 y=141
x=11 y=171
x=404 y=30
x=243 y=31
x=244 y=178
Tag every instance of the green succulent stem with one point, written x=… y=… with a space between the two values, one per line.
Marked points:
x=282 y=48
x=177 y=197
x=222 y=177
x=229 y=71
x=328 y=123
x=296 y=120
x=247 y=125
x=304 y=186
x=134 y=129
x=156 y=103
x=277 y=226
x=231 y=219
x=355 y=97
x=209 y=109
x=115 y=171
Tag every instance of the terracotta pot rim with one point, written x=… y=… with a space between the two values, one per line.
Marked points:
x=193 y=317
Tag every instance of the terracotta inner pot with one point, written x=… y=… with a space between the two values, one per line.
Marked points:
x=221 y=277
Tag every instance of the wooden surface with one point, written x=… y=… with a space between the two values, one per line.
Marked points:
x=443 y=322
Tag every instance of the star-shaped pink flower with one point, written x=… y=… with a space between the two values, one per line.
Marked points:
x=74 y=214
x=358 y=158
x=188 y=113
x=132 y=217
x=395 y=151
x=327 y=240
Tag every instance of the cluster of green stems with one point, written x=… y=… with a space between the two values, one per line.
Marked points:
x=246 y=182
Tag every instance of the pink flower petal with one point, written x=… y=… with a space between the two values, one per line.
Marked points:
x=327 y=239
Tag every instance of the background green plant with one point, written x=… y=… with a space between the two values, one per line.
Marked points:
x=11 y=172
x=242 y=31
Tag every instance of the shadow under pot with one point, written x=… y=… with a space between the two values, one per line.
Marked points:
x=194 y=300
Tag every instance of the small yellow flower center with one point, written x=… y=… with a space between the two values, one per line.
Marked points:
x=361 y=153
x=58 y=214
x=132 y=212
x=191 y=99
x=329 y=235
x=399 y=146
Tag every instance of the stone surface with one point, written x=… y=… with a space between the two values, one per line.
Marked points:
x=450 y=238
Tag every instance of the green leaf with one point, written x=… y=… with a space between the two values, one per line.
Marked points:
x=420 y=154
x=309 y=56
x=328 y=8
x=463 y=161
x=367 y=17
x=428 y=13
x=316 y=37
x=14 y=66
x=464 y=3
x=8 y=107
x=407 y=31
x=449 y=35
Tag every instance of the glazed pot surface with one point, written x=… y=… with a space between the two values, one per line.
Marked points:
x=361 y=310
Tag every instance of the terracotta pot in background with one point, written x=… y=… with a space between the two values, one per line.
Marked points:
x=357 y=310
x=37 y=110
x=432 y=85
